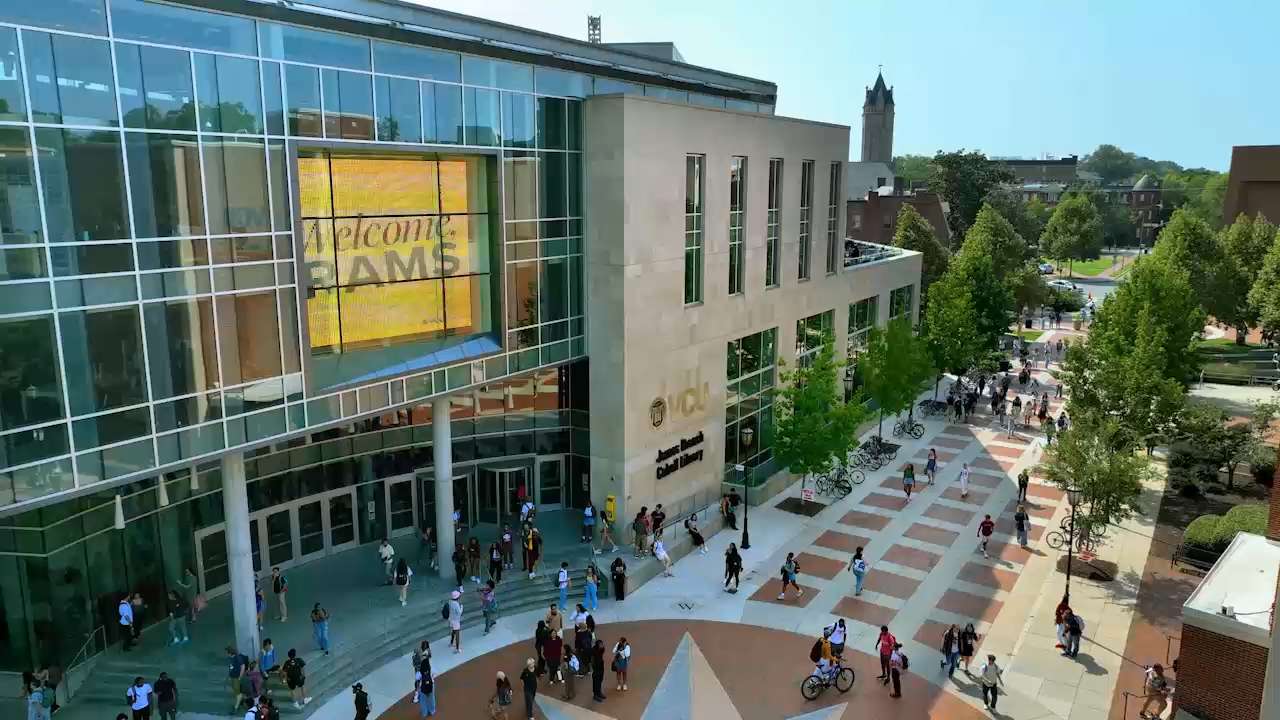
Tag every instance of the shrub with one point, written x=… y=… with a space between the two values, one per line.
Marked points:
x=1215 y=532
x=1064 y=300
x=1263 y=472
x=1202 y=532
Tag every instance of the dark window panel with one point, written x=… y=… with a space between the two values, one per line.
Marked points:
x=521 y=185
x=230 y=97
x=484 y=117
x=171 y=25
x=519 y=123
x=181 y=347
x=419 y=62
x=399 y=110
x=31 y=446
x=102 y=352
x=189 y=252
x=22 y=264
x=574 y=123
x=164 y=176
x=317 y=47
x=236 y=186
x=12 y=105
x=248 y=339
x=19 y=203
x=91 y=259
x=302 y=98
x=83 y=179
x=281 y=199
x=273 y=91
x=30 y=391
x=551 y=123
x=348 y=105
x=155 y=87
x=442 y=113
x=70 y=79
x=553 y=293
x=112 y=428
x=553 y=184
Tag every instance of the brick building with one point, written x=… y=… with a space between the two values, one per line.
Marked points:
x=1253 y=185
x=874 y=218
x=1059 y=170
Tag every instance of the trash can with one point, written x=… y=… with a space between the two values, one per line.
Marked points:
x=1027 y=323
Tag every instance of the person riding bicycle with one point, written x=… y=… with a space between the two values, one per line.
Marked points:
x=821 y=654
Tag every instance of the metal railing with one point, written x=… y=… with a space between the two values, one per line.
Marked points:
x=859 y=252
x=83 y=655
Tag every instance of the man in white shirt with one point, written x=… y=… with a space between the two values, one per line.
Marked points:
x=126 y=622
x=990 y=676
x=964 y=480
x=139 y=697
x=387 y=554
x=562 y=581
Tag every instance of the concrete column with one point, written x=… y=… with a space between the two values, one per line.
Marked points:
x=442 y=452
x=235 y=511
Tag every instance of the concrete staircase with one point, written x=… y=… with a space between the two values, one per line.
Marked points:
x=202 y=682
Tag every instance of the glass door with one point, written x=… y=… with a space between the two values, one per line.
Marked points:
x=255 y=530
x=211 y=561
x=342 y=519
x=279 y=528
x=550 y=481
x=400 y=505
x=498 y=490
x=311 y=532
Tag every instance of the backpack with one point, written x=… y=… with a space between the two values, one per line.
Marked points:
x=815 y=652
x=905 y=663
x=504 y=696
x=444 y=611
x=46 y=698
x=1074 y=625
x=402 y=578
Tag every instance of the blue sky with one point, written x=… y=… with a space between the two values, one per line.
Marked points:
x=1170 y=79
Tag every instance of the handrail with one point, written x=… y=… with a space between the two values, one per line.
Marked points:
x=89 y=638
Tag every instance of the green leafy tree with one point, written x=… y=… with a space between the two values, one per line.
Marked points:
x=951 y=328
x=813 y=425
x=1094 y=457
x=893 y=367
x=1208 y=204
x=1243 y=246
x=1264 y=298
x=1008 y=202
x=1074 y=231
x=993 y=236
x=914 y=232
x=963 y=179
x=913 y=169
x=1189 y=242
x=1110 y=163
x=1028 y=288
x=1038 y=215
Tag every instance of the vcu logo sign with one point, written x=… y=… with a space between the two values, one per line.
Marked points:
x=689 y=400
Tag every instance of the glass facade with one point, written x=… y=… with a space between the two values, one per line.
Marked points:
x=737 y=232
x=811 y=333
x=750 y=377
x=693 y=251
x=862 y=317
x=773 y=230
x=806 y=219
x=900 y=301
x=834 y=241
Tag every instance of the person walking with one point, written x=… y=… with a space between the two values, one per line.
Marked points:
x=178 y=611
x=529 y=682
x=591 y=584
x=908 y=479
x=139 y=697
x=39 y=699
x=403 y=577
x=455 y=621
x=660 y=552
x=1075 y=629
x=540 y=636
x=51 y=677
x=259 y=601
x=1024 y=481
x=526 y=548
x=138 y=606
x=1060 y=622
x=885 y=642
x=166 y=697
x=931 y=466
x=553 y=650
x=572 y=666
x=489 y=605
x=839 y=633
x=606 y=536
x=236 y=665
x=991 y=677
x=125 y=610
x=267 y=659
x=897 y=665
x=495 y=562
x=618 y=573
x=473 y=559
x=964 y=480
x=502 y=698
x=386 y=555
x=459 y=559
x=950 y=650
x=280 y=588
x=732 y=567
x=295 y=678
x=1155 y=686
x=427 y=547
x=790 y=568
x=421 y=655
x=858 y=566
x=597 y=671
x=360 y=700
x=555 y=619
x=1020 y=523
x=968 y=642
x=1050 y=429
x=424 y=693
x=535 y=551
x=253 y=681
x=621 y=661
x=562 y=584
x=506 y=543
x=588 y=523
x=640 y=528
x=985 y=528
x=320 y=627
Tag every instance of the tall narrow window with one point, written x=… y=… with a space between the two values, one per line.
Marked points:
x=693 y=228
x=773 y=242
x=806 y=216
x=737 y=205
x=833 y=219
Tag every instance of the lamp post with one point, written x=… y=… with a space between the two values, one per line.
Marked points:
x=746 y=436
x=1073 y=497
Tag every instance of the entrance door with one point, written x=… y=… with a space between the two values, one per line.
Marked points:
x=550 y=483
x=211 y=560
x=342 y=519
x=400 y=505
x=499 y=491
x=311 y=532
x=279 y=528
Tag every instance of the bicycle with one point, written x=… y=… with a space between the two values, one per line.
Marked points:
x=908 y=427
x=814 y=685
x=1057 y=539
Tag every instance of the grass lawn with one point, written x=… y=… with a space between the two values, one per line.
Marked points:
x=1030 y=335
x=1225 y=346
x=1124 y=270
x=1091 y=268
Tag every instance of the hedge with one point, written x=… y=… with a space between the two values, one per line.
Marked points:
x=1215 y=532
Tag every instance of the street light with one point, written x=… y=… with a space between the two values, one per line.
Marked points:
x=1074 y=497
x=746 y=437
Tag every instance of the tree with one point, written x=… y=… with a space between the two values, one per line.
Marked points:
x=914 y=232
x=950 y=328
x=1028 y=289
x=1094 y=458
x=1265 y=295
x=1008 y=202
x=1189 y=242
x=1074 y=231
x=963 y=179
x=993 y=236
x=1038 y=215
x=1243 y=246
x=1110 y=163
x=1207 y=439
x=813 y=425
x=894 y=365
x=1208 y=204
x=913 y=169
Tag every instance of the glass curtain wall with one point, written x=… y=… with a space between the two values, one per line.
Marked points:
x=750 y=376
x=900 y=302
x=862 y=317
x=148 y=284
x=811 y=333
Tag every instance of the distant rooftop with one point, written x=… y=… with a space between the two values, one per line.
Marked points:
x=1068 y=160
x=1243 y=581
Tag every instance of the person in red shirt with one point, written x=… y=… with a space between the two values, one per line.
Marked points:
x=985 y=528
x=884 y=645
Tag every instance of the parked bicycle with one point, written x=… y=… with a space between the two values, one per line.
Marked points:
x=908 y=427
x=814 y=685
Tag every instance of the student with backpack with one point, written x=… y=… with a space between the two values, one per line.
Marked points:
x=402 y=579
x=502 y=698
x=166 y=697
x=1020 y=524
x=898 y=664
x=991 y=676
x=489 y=605
x=236 y=664
x=790 y=569
x=139 y=698
x=858 y=566
x=884 y=646
x=280 y=587
x=295 y=678
x=1156 y=687
x=562 y=584
x=40 y=701
x=822 y=657
x=424 y=693
x=1075 y=628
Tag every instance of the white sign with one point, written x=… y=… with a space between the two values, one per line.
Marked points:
x=806 y=494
